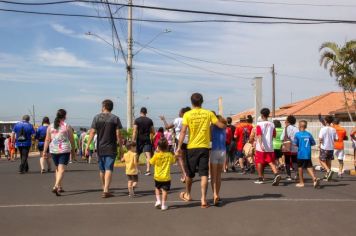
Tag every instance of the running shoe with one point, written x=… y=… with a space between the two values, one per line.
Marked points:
x=147 y=173
x=158 y=205
x=299 y=185
x=289 y=178
x=164 y=208
x=330 y=175
x=276 y=180
x=259 y=181
x=317 y=183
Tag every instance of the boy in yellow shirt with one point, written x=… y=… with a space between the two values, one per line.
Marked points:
x=162 y=161
x=131 y=167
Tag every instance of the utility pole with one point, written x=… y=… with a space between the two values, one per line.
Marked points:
x=258 y=97
x=33 y=115
x=129 y=114
x=221 y=109
x=273 y=92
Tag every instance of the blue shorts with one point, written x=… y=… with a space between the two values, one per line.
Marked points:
x=239 y=154
x=60 y=159
x=106 y=163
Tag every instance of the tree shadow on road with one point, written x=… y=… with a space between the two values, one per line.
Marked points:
x=226 y=201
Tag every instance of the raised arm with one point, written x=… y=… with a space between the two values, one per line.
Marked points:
x=166 y=125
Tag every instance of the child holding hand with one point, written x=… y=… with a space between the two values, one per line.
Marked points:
x=131 y=163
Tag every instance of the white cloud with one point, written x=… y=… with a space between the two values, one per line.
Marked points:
x=61 y=29
x=60 y=57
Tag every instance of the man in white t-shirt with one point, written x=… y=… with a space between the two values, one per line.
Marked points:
x=327 y=138
x=265 y=132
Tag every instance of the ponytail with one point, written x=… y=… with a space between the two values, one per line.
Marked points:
x=61 y=115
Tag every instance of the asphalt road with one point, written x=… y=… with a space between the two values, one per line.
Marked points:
x=27 y=207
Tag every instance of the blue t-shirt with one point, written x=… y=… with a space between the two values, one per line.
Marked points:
x=304 y=140
x=41 y=135
x=28 y=132
x=218 y=138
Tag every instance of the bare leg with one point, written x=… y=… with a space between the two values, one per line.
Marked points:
x=158 y=197
x=181 y=165
x=213 y=173
x=59 y=175
x=311 y=173
x=218 y=180
x=241 y=162
x=260 y=170
x=164 y=197
x=108 y=176
x=301 y=177
x=148 y=158
x=102 y=178
x=341 y=166
x=273 y=167
x=188 y=187
x=325 y=166
x=204 y=188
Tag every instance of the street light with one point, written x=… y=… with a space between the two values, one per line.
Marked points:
x=166 y=31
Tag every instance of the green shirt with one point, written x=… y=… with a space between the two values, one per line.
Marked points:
x=277 y=142
x=91 y=145
x=75 y=136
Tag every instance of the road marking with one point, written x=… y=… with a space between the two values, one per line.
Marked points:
x=152 y=202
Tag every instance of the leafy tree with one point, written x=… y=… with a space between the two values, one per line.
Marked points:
x=341 y=63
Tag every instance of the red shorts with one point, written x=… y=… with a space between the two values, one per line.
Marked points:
x=264 y=157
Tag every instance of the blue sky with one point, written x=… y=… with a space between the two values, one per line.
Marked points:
x=50 y=62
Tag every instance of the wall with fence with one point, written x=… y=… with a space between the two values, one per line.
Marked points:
x=315 y=126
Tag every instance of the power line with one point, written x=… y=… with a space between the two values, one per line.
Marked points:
x=189 y=11
x=289 y=4
x=298 y=77
x=207 y=61
x=172 y=21
x=195 y=66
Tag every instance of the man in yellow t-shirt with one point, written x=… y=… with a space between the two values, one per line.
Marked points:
x=198 y=121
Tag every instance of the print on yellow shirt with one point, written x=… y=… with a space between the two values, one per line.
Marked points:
x=162 y=162
x=131 y=163
x=199 y=121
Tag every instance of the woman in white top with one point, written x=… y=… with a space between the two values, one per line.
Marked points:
x=60 y=141
x=290 y=155
x=177 y=125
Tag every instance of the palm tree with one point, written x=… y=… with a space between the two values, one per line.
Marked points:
x=341 y=63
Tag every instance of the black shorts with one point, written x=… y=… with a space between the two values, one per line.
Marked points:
x=305 y=164
x=143 y=147
x=326 y=155
x=197 y=159
x=133 y=178
x=278 y=153
x=166 y=186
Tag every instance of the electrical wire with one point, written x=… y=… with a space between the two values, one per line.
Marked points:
x=186 y=11
x=197 y=67
x=289 y=4
x=207 y=61
x=171 y=21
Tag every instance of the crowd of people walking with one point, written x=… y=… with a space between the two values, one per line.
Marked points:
x=200 y=141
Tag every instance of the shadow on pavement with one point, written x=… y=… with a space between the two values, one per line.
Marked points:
x=226 y=201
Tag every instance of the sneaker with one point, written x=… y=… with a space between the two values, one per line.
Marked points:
x=330 y=175
x=317 y=183
x=299 y=185
x=276 y=180
x=158 y=205
x=164 y=208
x=147 y=173
x=70 y=162
x=259 y=181
x=289 y=178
